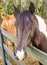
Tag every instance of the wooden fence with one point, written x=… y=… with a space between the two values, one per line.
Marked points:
x=39 y=55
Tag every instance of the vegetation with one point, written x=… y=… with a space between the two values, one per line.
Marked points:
x=7 y=8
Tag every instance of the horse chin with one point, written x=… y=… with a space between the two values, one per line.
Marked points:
x=20 y=55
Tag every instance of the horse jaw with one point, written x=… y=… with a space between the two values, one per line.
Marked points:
x=42 y=25
x=20 y=54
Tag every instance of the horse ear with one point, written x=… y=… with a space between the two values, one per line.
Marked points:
x=12 y=15
x=3 y=17
x=17 y=11
x=31 y=8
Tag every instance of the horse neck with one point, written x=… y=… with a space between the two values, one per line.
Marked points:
x=35 y=24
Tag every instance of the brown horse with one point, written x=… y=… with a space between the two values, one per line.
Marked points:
x=8 y=25
x=28 y=30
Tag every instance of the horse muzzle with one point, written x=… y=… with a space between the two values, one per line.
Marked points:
x=20 y=55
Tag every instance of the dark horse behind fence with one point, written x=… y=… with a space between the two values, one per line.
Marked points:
x=28 y=30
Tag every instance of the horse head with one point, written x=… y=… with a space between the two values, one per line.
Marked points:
x=26 y=26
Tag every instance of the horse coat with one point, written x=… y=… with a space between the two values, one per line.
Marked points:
x=30 y=27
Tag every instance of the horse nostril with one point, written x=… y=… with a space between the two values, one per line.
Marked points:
x=25 y=54
x=15 y=52
x=17 y=58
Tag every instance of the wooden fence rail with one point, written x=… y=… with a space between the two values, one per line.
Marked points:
x=39 y=55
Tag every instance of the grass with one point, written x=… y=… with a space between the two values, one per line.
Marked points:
x=0 y=21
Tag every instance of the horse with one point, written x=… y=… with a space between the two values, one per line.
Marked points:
x=30 y=28
x=8 y=24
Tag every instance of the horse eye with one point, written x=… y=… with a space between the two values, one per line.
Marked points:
x=16 y=23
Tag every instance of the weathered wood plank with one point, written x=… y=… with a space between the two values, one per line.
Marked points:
x=10 y=53
x=9 y=36
x=2 y=51
x=7 y=61
x=39 y=55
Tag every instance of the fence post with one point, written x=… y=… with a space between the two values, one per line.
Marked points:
x=2 y=49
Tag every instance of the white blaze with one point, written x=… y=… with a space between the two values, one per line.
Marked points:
x=20 y=54
x=42 y=25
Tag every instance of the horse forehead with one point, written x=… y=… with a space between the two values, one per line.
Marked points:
x=23 y=18
x=27 y=18
x=24 y=13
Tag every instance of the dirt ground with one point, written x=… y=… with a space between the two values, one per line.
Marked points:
x=30 y=60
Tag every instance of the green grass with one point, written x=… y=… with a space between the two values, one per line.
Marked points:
x=0 y=21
